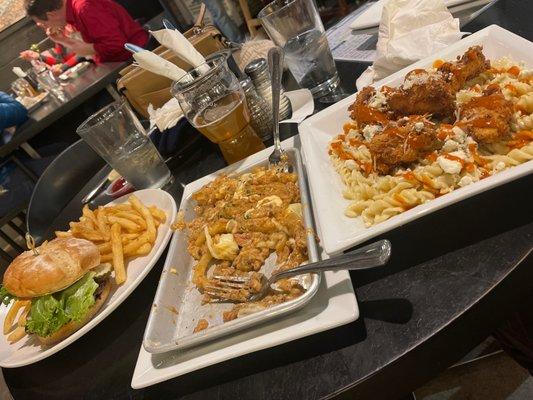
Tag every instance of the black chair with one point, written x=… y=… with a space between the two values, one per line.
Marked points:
x=58 y=185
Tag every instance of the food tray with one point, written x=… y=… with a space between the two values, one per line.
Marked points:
x=177 y=306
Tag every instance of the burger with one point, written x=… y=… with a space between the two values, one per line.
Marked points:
x=63 y=284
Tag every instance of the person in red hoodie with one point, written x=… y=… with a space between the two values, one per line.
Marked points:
x=105 y=26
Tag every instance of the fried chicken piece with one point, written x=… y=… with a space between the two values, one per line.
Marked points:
x=423 y=93
x=468 y=66
x=367 y=110
x=487 y=118
x=403 y=142
x=433 y=93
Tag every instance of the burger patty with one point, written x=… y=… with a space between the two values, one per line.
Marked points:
x=101 y=281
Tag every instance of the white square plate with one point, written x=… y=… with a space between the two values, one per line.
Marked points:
x=340 y=232
x=333 y=305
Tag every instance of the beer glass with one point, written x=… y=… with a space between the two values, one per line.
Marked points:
x=118 y=137
x=213 y=101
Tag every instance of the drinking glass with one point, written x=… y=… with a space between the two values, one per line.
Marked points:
x=22 y=88
x=118 y=137
x=295 y=26
x=48 y=82
x=214 y=103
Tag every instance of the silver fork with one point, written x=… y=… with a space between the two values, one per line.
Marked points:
x=275 y=62
x=371 y=256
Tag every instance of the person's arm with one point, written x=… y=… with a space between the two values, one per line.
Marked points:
x=76 y=46
x=69 y=63
x=107 y=39
x=12 y=113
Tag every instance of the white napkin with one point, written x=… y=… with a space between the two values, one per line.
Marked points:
x=176 y=42
x=19 y=72
x=302 y=105
x=409 y=31
x=158 y=65
x=372 y=15
x=167 y=116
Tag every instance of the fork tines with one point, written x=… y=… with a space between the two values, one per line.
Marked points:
x=231 y=280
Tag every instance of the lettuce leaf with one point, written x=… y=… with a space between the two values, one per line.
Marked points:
x=46 y=316
x=5 y=296
x=78 y=298
x=50 y=312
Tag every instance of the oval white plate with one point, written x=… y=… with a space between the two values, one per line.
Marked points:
x=28 y=350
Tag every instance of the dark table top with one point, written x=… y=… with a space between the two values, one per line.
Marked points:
x=454 y=277
x=90 y=82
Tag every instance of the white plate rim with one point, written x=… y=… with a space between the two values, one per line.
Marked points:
x=336 y=245
x=110 y=306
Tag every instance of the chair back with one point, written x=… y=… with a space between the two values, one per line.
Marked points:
x=57 y=186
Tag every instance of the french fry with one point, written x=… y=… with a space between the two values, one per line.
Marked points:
x=118 y=256
x=87 y=213
x=147 y=215
x=17 y=334
x=144 y=249
x=120 y=207
x=107 y=257
x=104 y=247
x=90 y=235
x=158 y=214
x=131 y=247
x=101 y=223
x=124 y=223
x=129 y=236
x=12 y=313
x=132 y=216
x=24 y=315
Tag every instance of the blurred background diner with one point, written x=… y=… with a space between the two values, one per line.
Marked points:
x=69 y=67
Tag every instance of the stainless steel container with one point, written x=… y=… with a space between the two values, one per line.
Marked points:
x=258 y=71
x=178 y=304
x=260 y=111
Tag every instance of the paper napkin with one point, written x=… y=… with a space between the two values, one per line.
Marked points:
x=177 y=43
x=158 y=65
x=409 y=31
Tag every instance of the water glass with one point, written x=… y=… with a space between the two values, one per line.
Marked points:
x=118 y=137
x=214 y=103
x=295 y=26
x=22 y=88
x=48 y=82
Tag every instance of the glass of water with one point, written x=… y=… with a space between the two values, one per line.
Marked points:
x=295 y=26
x=118 y=137
x=48 y=82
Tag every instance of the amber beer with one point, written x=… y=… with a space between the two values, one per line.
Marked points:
x=226 y=122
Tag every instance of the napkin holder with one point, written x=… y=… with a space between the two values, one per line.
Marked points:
x=142 y=87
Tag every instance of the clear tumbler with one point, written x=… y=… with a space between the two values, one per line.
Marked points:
x=295 y=26
x=118 y=137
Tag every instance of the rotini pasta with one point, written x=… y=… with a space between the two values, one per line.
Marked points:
x=390 y=165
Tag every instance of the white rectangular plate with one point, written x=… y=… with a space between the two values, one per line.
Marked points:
x=334 y=305
x=28 y=350
x=340 y=232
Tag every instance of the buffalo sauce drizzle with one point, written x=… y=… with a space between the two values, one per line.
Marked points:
x=520 y=139
x=338 y=149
